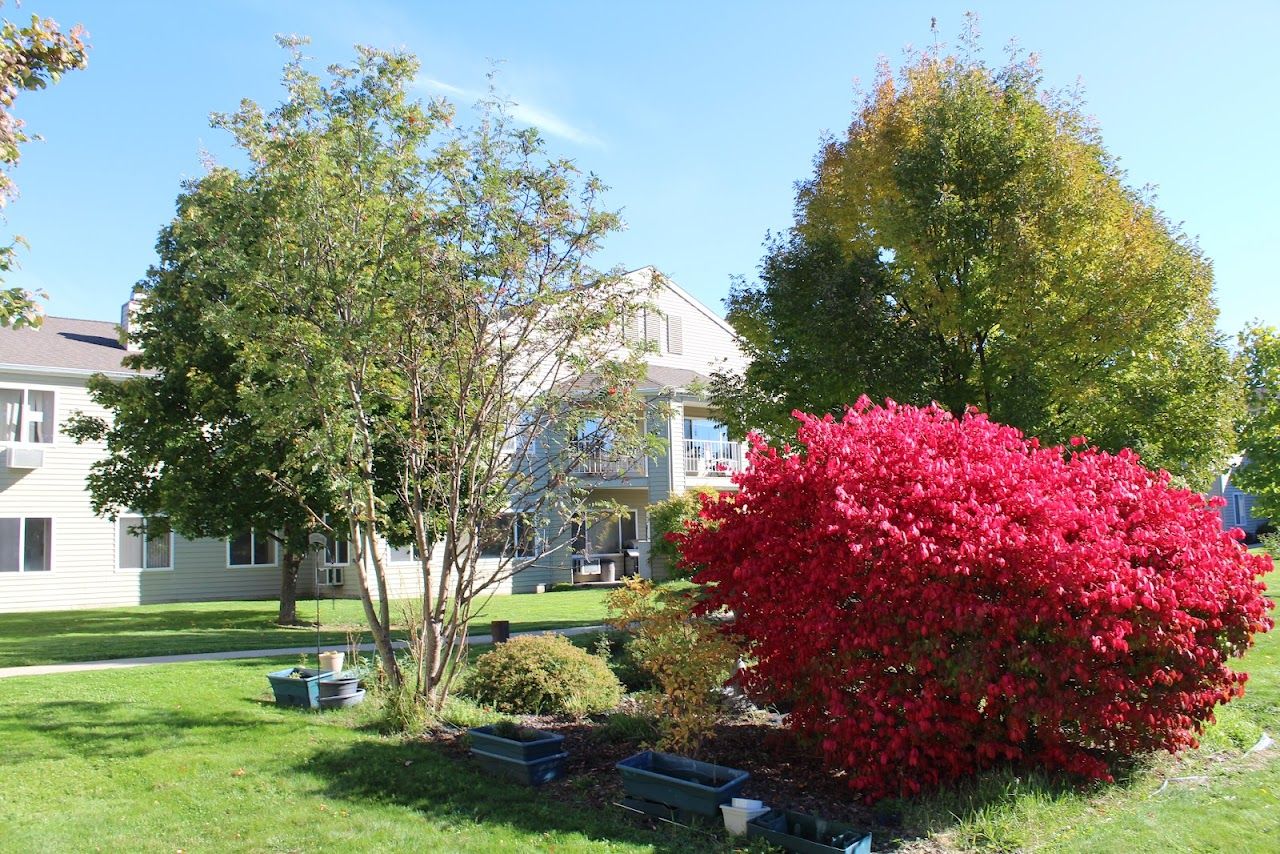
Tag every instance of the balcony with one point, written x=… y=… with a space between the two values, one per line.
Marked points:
x=711 y=458
x=608 y=465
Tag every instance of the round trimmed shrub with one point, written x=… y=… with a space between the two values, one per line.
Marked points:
x=933 y=596
x=541 y=675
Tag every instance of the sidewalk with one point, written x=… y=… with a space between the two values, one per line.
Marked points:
x=115 y=663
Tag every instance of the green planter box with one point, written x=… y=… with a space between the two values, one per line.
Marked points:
x=548 y=744
x=807 y=834
x=676 y=781
x=302 y=690
x=533 y=772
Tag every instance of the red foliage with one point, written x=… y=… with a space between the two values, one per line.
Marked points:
x=937 y=595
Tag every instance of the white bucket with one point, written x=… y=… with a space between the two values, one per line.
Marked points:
x=332 y=661
x=736 y=818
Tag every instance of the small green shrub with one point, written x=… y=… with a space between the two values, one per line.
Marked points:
x=687 y=657
x=627 y=727
x=615 y=648
x=670 y=515
x=542 y=674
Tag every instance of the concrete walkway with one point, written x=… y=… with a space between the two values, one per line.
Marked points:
x=115 y=663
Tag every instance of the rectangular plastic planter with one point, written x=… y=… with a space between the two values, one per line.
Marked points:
x=685 y=784
x=807 y=834
x=534 y=772
x=301 y=691
x=483 y=738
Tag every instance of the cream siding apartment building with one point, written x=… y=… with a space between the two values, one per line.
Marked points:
x=55 y=553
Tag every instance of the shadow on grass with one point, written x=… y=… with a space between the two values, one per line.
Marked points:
x=118 y=730
x=420 y=777
x=988 y=809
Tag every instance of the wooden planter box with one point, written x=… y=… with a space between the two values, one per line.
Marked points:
x=807 y=834
x=684 y=784
x=302 y=690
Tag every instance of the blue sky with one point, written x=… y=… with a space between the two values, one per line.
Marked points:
x=700 y=116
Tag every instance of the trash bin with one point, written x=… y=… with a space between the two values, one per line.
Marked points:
x=608 y=569
x=500 y=631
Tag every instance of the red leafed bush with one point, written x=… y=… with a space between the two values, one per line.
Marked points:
x=933 y=596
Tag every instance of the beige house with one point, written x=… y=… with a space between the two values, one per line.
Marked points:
x=55 y=553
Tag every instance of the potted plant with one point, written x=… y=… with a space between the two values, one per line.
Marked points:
x=807 y=834
x=678 y=782
x=526 y=755
x=297 y=686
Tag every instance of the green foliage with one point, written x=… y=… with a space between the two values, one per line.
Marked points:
x=688 y=658
x=542 y=674
x=616 y=648
x=670 y=515
x=421 y=318
x=181 y=439
x=971 y=241
x=628 y=727
x=1260 y=429
x=31 y=57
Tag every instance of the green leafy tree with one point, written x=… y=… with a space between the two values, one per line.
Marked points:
x=1260 y=429
x=425 y=334
x=670 y=515
x=971 y=241
x=180 y=443
x=31 y=57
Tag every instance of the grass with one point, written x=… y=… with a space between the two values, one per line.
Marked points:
x=1231 y=801
x=192 y=757
x=56 y=637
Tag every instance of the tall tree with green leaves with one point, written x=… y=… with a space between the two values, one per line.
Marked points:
x=425 y=333
x=1260 y=428
x=180 y=444
x=31 y=57
x=971 y=241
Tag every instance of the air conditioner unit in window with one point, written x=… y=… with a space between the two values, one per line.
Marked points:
x=24 y=458
x=329 y=576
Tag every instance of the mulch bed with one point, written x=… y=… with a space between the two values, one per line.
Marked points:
x=783 y=772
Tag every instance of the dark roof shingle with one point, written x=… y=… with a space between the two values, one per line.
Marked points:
x=62 y=342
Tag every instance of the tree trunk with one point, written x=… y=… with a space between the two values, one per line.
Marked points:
x=289 y=564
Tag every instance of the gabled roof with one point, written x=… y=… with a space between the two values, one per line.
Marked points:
x=665 y=281
x=65 y=345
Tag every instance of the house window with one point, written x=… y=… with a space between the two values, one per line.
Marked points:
x=26 y=415
x=402 y=554
x=336 y=551
x=510 y=533
x=705 y=430
x=252 y=548
x=26 y=545
x=145 y=543
x=1238 y=508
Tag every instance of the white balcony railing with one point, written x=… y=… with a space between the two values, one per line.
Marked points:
x=708 y=458
x=611 y=466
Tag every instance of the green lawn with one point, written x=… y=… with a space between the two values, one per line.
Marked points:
x=55 y=637
x=192 y=757
x=1232 y=802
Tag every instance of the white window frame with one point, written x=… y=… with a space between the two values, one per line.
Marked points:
x=121 y=532
x=24 y=418
x=253 y=540
x=516 y=539
x=22 y=547
x=413 y=555
x=1238 y=508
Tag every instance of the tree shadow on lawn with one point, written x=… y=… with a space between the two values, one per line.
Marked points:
x=989 y=800
x=420 y=777
x=119 y=730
